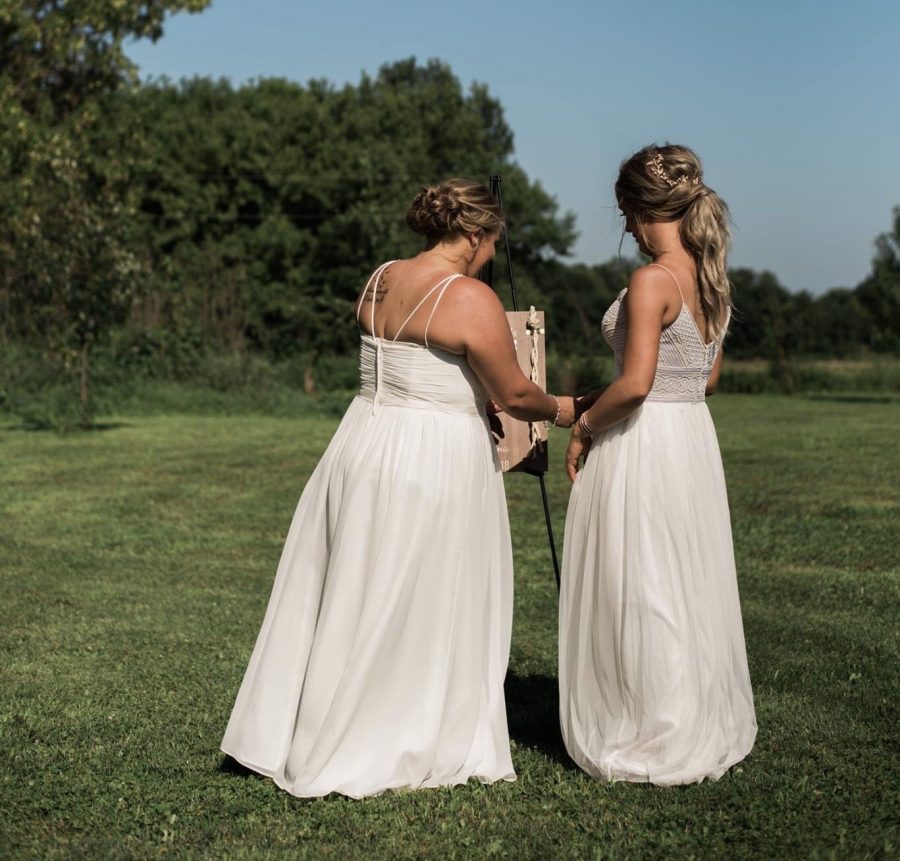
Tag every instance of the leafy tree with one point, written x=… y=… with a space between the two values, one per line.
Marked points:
x=66 y=271
x=879 y=294
x=762 y=324
x=838 y=324
x=275 y=200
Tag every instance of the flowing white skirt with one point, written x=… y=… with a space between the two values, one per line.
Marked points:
x=654 y=685
x=382 y=655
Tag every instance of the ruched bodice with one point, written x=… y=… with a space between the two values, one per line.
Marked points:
x=685 y=361
x=401 y=373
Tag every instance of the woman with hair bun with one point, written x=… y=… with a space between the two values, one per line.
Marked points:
x=382 y=655
x=654 y=685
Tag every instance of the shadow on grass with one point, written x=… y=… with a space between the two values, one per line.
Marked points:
x=46 y=427
x=856 y=399
x=229 y=765
x=532 y=708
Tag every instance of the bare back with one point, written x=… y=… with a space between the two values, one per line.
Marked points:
x=401 y=302
x=684 y=278
x=426 y=302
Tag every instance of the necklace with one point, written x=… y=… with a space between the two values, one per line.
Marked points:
x=455 y=264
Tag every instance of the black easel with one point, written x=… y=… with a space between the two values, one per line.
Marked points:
x=487 y=275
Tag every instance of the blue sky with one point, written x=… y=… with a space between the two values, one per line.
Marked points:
x=793 y=106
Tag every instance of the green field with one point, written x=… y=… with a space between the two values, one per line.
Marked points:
x=136 y=561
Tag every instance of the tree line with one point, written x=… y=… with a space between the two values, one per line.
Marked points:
x=182 y=219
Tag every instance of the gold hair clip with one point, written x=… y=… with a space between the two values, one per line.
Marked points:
x=656 y=165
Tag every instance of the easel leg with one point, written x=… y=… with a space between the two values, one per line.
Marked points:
x=487 y=275
x=550 y=530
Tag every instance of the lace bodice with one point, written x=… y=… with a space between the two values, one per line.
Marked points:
x=684 y=363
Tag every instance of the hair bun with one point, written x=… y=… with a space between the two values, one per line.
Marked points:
x=434 y=212
x=454 y=207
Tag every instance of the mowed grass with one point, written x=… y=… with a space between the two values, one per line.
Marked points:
x=137 y=561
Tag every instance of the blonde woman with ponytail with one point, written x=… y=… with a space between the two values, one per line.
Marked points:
x=654 y=685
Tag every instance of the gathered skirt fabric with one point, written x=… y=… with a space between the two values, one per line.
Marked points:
x=654 y=684
x=381 y=659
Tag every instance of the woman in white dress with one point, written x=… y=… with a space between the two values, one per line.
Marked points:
x=382 y=655
x=653 y=676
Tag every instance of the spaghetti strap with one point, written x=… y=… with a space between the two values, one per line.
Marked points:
x=447 y=283
x=373 y=280
x=442 y=283
x=659 y=265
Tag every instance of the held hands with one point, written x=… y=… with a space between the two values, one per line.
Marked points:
x=570 y=409
x=585 y=402
x=567 y=414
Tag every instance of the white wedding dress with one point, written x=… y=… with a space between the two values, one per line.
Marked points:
x=653 y=676
x=382 y=655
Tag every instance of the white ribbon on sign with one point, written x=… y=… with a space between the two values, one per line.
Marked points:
x=534 y=327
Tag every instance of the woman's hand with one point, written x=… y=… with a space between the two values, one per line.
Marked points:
x=566 y=417
x=585 y=402
x=577 y=450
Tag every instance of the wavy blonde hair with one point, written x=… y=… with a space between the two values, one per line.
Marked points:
x=665 y=183
x=453 y=208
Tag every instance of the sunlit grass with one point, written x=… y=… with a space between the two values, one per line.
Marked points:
x=136 y=563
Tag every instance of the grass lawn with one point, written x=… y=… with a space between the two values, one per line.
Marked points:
x=136 y=562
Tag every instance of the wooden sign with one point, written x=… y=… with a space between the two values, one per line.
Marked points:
x=522 y=446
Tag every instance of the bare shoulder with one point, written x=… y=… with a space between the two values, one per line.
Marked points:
x=473 y=297
x=650 y=277
x=650 y=288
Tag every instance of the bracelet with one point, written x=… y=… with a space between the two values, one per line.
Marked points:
x=582 y=423
x=556 y=417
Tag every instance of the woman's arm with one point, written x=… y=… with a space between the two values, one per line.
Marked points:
x=585 y=402
x=646 y=305
x=491 y=354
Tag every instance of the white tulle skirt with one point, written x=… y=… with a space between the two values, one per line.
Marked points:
x=654 y=685
x=382 y=655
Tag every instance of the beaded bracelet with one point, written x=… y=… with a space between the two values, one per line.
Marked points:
x=556 y=417
x=582 y=423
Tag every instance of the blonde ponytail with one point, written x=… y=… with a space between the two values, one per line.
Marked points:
x=705 y=234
